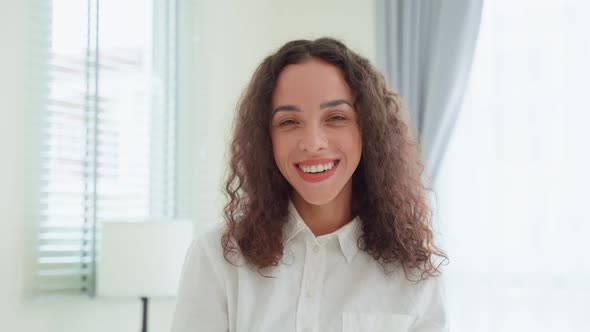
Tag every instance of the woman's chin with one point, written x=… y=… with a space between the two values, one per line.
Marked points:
x=316 y=197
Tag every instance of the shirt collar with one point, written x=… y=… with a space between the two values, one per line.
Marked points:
x=347 y=235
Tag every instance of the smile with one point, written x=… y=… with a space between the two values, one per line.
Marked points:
x=317 y=173
x=318 y=168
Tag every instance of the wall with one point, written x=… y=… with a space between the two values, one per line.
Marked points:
x=223 y=42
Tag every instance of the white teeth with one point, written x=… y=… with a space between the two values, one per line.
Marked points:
x=317 y=168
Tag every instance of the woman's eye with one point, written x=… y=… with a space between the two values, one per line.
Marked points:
x=337 y=118
x=287 y=122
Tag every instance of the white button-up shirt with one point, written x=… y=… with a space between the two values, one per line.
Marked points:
x=322 y=284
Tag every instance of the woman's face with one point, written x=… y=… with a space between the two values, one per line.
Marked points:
x=315 y=135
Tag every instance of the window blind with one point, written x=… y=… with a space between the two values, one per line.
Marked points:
x=108 y=133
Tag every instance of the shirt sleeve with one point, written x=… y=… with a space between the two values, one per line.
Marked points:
x=201 y=303
x=434 y=317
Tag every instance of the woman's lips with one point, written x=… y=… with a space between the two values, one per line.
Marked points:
x=317 y=177
x=316 y=162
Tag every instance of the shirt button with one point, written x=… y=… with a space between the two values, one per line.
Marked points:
x=310 y=293
x=316 y=248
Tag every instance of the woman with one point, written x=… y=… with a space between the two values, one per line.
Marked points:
x=327 y=226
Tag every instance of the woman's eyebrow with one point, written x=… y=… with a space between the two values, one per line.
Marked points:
x=326 y=104
x=286 y=108
x=334 y=102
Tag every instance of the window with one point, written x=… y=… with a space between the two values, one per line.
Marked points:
x=109 y=129
x=514 y=186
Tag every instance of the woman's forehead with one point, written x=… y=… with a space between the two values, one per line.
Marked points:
x=313 y=80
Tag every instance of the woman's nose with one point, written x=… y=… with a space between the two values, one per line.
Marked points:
x=313 y=139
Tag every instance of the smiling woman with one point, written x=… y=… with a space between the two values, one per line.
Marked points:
x=327 y=226
x=316 y=141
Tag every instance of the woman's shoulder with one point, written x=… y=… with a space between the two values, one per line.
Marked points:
x=209 y=236
x=210 y=241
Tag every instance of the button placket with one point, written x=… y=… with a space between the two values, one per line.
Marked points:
x=311 y=285
x=316 y=248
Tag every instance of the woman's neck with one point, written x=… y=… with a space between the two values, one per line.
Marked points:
x=327 y=218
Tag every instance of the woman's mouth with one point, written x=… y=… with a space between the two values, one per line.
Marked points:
x=318 y=172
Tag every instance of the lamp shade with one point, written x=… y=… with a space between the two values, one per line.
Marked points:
x=142 y=259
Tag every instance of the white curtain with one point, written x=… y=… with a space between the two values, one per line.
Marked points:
x=514 y=186
x=425 y=49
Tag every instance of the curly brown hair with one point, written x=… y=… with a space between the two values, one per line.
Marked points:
x=388 y=194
